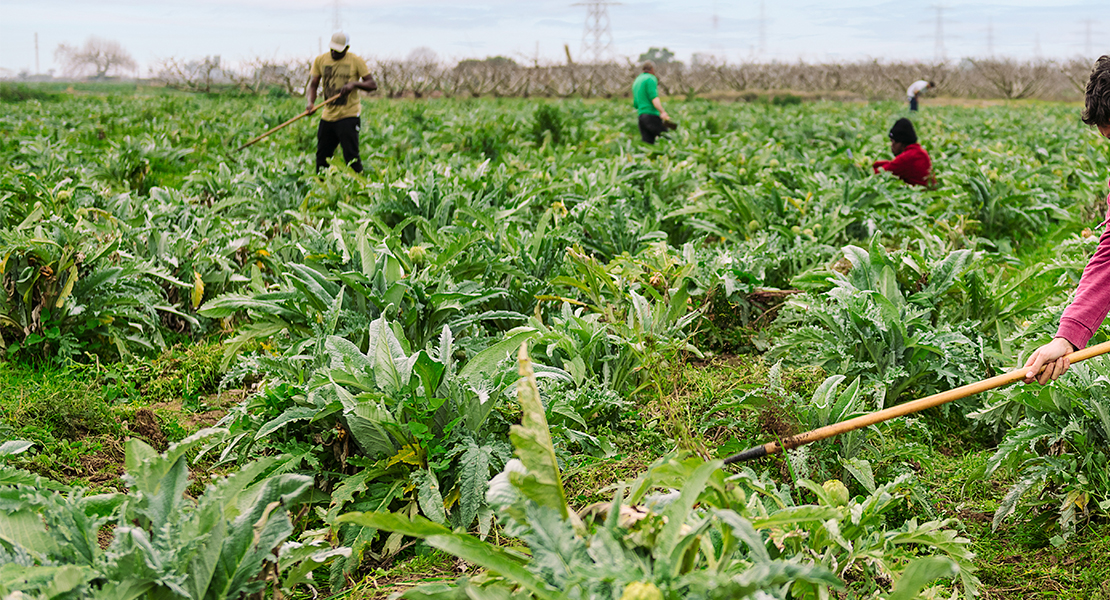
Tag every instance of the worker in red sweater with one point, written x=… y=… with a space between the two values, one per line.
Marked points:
x=911 y=164
x=1092 y=298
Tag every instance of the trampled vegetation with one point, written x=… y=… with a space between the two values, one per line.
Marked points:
x=525 y=339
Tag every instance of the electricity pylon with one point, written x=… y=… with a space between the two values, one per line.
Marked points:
x=597 y=36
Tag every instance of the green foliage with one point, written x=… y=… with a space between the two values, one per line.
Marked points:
x=552 y=125
x=869 y=324
x=372 y=315
x=715 y=537
x=18 y=92
x=64 y=294
x=163 y=544
x=1057 y=448
x=660 y=56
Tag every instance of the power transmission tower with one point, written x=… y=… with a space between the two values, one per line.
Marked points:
x=335 y=16
x=37 y=53
x=1087 y=37
x=762 y=28
x=716 y=45
x=597 y=36
x=939 y=54
x=990 y=38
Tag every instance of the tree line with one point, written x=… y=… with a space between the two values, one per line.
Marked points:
x=422 y=74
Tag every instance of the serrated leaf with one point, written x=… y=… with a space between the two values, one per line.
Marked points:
x=428 y=496
x=1010 y=500
x=198 y=290
x=532 y=444
x=920 y=573
x=861 y=470
x=291 y=415
x=473 y=472
x=486 y=361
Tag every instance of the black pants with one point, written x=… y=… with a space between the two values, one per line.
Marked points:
x=913 y=103
x=343 y=132
x=650 y=127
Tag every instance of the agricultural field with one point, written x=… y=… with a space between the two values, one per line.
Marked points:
x=508 y=359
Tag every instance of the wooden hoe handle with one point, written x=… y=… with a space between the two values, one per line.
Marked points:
x=902 y=409
x=289 y=122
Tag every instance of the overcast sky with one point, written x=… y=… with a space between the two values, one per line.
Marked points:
x=521 y=29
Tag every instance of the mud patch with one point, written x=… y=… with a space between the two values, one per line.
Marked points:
x=974 y=516
x=105 y=536
x=100 y=466
x=773 y=420
x=145 y=425
x=190 y=421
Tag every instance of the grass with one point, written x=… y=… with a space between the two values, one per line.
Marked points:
x=940 y=447
x=423 y=565
x=1016 y=561
x=47 y=90
x=79 y=417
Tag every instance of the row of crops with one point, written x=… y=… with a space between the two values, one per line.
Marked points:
x=380 y=319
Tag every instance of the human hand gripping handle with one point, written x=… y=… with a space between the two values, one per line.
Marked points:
x=308 y=111
x=1050 y=356
x=1054 y=357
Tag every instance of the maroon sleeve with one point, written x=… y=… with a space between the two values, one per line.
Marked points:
x=892 y=165
x=904 y=167
x=896 y=166
x=1092 y=299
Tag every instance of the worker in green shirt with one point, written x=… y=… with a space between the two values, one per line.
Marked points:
x=645 y=97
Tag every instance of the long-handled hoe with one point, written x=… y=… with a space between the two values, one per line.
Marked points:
x=886 y=414
x=288 y=123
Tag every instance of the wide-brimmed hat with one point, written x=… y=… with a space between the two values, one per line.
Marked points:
x=339 y=41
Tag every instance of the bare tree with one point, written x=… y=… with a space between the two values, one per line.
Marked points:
x=192 y=76
x=97 y=57
x=1078 y=72
x=422 y=73
x=1015 y=80
x=425 y=68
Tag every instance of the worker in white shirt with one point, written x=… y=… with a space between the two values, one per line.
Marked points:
x=915 y=89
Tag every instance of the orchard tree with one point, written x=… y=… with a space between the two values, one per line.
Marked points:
x=97 y=57
x=659 y=56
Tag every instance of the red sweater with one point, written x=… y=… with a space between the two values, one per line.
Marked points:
x=911 y=166
x=1092 y=299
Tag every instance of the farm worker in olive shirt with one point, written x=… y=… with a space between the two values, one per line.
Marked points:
x=911 y=163
x=341 y=73
x=915 y=89
x=1085 y=314
x=645 y=97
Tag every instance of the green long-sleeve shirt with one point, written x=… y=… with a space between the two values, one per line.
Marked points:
x=644 y=90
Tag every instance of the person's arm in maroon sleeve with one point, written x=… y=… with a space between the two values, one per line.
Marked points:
x=902 y=166
x=1092 y=299
x=1081 y=318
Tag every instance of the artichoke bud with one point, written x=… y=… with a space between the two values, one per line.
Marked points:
x=417 y=254
x=641 y=590
x=837 y=491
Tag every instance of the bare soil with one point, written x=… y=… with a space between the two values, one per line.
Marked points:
x=145 y=425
